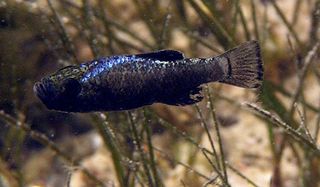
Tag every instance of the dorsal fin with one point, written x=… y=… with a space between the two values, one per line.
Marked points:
x=163 y=55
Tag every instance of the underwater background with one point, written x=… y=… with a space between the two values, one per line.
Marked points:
x=234 y=137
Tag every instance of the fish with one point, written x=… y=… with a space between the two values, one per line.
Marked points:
x=125 y=82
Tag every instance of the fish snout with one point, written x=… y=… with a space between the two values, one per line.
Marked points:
x=44 y=89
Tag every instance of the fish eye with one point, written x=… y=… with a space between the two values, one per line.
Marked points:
x=72 y=87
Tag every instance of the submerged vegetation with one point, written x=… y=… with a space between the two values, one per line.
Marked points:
x=234 y=137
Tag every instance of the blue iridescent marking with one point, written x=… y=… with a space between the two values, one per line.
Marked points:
x=104 y=64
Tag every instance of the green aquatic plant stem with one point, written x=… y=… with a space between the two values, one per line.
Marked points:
x=234 y=20
x=84 y=25
x=211 y=5
x=241 y=175
x=206 y=128
x=193 y=142
x=265 y=27
x=130 y=33
x=254 y=17
x=279 y=122
x=215 y=168
x=288 y=129
x=317 y=128
x=165 y=155
x=215 y=26
x=164 y=32
x=44 y=140
x=216 y=125
x=315 y=23
x=137 y=142
x=185 y=135
x=302 y=74
x=303 y=124
x=215 y=155
x=296 y=12
x=188 y=138
x=211 y=181
x=316 y=132
x=125 y=44
x=153 y=164
x=202 y=42
x=102 y=125
x=147 y=14
x=272 y=102
x=88 y=18
x=66 y=40
x=243 y=21
x=12 y=177
x=110 y=25
x=287 y=94
x=108 y=31
x=286 y=22
x=274 y=120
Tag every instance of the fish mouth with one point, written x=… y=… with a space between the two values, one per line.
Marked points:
x=44 y=90
x=39 y=90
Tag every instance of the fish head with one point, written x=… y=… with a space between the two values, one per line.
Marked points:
x=60 y=90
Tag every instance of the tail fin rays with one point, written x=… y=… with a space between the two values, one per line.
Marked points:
x=244 y=66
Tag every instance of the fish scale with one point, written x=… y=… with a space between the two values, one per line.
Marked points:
x=124 y=82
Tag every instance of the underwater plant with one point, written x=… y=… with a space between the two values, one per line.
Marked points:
x=233 y=137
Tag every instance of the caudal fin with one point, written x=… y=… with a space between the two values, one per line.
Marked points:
x=244 y=66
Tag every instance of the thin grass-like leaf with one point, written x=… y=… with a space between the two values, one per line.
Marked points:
x=254 y=17
x=265 y=29
x=66 y=40
x=315 y=22
x=153 y=164
x=215 y=26
x=101 y=14
x=107 y=135
x=206 y=128
x=44 y=140
x=216 y=125
x=303 y=124
x=241 y=175
x=165 y=155
x=130 y=33
x=243 y=21
x=145 y=11
x=89 y=25
x=164 y=32
x=296 y=12
x=203 y=42
x=271 y=101
x=212 y=6
x=138 y=143
x=306 y=64
x=12 y=177
x=287 y=94
x=286 y=22
x=288 y=129
x=215 y=168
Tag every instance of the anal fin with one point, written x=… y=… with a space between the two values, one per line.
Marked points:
x=186 y=98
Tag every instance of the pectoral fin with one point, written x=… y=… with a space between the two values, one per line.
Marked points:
x=187 y=98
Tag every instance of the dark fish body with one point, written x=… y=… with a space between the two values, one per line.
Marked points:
x=129 y=81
